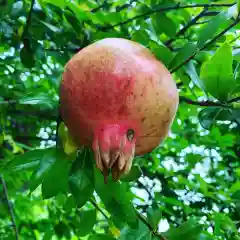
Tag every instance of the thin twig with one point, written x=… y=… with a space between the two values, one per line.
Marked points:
x=28 y=22
x=104 y=4
x=10 y=208
x=154 y=232
x=35 y=138
x=98 y=208
x=186 y=27
x=207 y=44
x=163 y=9
x=202 y=103
x=139 y=215
x=236 y=99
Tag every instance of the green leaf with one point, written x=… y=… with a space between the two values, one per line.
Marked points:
x=141 y=37
x=58 y=3
x=87 y=222
x=27 y=57
x=163 y=24
x=117 y=198
x=81 y=187
x=189 y=230
x=133 y=175
x=217 y=75
x=100 y=237
x=47 y=162
x=27 y=161
x=161 y=52
x=48 y=235
x=39 y=98
x=52 y=27
x=209 y=30
x=73 y=21
x=183 y=54
x=191 y=71
x=207 y=117
x=154 y=215
x=51 y=187
x=80 y=14
x=140 y=233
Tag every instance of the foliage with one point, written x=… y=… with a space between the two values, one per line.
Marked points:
x=190 y=182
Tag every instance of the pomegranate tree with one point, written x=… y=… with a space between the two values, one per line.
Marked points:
x=119 y=100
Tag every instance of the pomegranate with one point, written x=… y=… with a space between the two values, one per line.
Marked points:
x=119 y=100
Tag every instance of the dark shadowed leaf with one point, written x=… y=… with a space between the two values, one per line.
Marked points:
x=56 y=180
x=47 y=162
x=27 y=57
x=81 y=186
x=208 y=116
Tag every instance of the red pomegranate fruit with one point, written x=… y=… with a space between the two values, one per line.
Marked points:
x=119 y=100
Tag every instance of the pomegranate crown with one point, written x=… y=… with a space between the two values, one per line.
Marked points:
x=114 y=148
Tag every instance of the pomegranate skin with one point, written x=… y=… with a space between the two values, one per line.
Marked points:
x=118 y=81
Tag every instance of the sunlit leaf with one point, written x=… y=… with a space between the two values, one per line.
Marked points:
x=217 y=75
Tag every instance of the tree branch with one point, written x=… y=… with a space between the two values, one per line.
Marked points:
x=154 y=232
x=202 y=103
x=139 y=215
x=186 y=27
x=163 y=9
x=207 y=44
x=10 y=208
x=209 y=103
x=28 y=22
x=35 y=138
x=236 y=99
x=98 y=208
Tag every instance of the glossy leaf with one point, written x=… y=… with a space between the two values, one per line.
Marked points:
x=190 y=230
x=41 y=98
x=141 y=233
x=191 y=71
x=209 y=30
x=161 y=52
x=154 y=215
x=117 y=199
x=81 y=186
x=27 y=161
x=183 y=54
x=164 y=24
x=217 y=75
x=58 y=171
x=47 y=162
